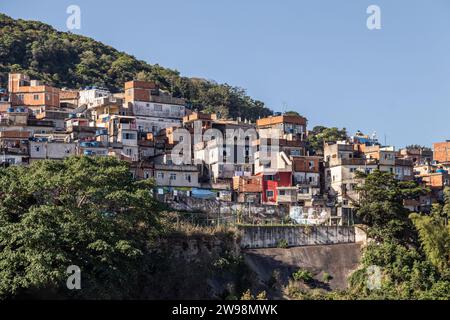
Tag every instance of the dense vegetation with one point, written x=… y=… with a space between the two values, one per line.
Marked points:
x=320 y=134
x=411 y=251
x=84 y=211
x=68 y=60
x=91 y=213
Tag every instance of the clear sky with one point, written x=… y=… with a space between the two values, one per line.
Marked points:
x=314 y=56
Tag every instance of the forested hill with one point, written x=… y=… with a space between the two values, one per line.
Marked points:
x=68 y=60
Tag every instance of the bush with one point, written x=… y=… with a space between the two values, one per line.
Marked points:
x=283 y=243
x=326 y=277
x=303 y=275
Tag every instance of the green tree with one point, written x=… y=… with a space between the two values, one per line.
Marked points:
x=69 y=60
x=321 y=134
x=81 y=211
x=381 y=205
x=435 y=239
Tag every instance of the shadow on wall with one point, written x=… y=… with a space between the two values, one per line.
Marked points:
x=274 y=267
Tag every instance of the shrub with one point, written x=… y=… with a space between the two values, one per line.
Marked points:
x=326 y=277
x=283 y=243
x=302 y=275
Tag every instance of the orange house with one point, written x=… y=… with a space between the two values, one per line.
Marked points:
x=441 y=151
x=32 y=94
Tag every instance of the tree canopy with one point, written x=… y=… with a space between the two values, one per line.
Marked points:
x=82 y=211
x=411 y=250
x=68 y=60
x=320 y=134
x=381 y=205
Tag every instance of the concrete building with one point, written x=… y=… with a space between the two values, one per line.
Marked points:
x=441 y=152
x=342 y=162
x=247 y=189
x=32 y=94
x=306 y=177
x=90 y=96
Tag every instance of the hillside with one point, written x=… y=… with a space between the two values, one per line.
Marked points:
x=68 y=60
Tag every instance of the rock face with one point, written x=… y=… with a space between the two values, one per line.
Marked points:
x=338 y=260
x=214 y=266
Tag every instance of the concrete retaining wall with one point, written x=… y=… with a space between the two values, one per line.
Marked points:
x=270 y=236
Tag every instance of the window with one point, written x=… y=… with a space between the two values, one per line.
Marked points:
x=146 y=174
x=281 y=192
x=128 y=136
x=269 y=194
x=173 y=176
x=187 y=177
x=269 y=178
x=35 y=97
x=160 y=175
x=158 y=107
x=37 y=148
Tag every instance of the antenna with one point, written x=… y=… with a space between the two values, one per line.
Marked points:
x=284 y=109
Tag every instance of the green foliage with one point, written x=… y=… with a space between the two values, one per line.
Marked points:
x=411 y=250
x=326 y=277
x=303 y=275
x=81 y=211
x=320 y=134
x=283 y=243
x=435 y=238
x=68 y=60
x=247 y=295
x=381 y=205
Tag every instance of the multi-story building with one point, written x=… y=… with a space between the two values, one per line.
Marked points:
x=56 y=146
x=247 y=189
x=342 y=162
x=418 y=155
x=32 y=94
x=159 y=109
x=90 y=96
x=289 y=132
x=306 y=176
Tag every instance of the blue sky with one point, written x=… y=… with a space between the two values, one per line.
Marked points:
x=313 y=56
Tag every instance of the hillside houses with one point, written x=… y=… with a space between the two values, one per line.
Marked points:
x=261 y=164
